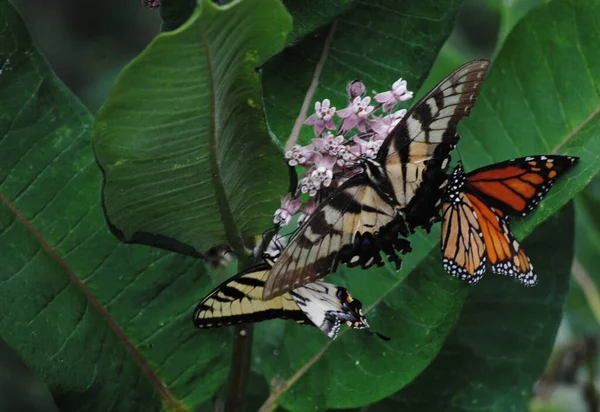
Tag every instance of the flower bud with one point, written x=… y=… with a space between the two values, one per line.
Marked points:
x=355 y=88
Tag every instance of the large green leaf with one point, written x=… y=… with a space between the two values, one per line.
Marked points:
x=503 y=338
x=53 y=237
x=525 y=96
x=182 y=139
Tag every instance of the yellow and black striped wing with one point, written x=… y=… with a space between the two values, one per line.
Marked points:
x=351 y=226
x=239 y=300
x=417 y=152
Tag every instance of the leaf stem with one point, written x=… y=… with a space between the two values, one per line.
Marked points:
x=241 y=350
x=240 y=367
x=588 y=287
x=311 y=89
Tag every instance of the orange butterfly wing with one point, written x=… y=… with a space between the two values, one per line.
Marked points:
x=503 y=252
x=480 y=203
x=463 y=248
x=517 y=186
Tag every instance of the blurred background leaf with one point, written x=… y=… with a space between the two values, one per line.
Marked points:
x=583 y=304
x=88 y=46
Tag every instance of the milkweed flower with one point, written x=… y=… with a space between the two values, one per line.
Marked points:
x=399 y=93
x=322 y=118
x=319 y=175
x=355 y=115
x=367 y=148
x=382 y=126
x=289 y=207
x=299 y=155
x=308 y=210
x=329 y=144
x=331 y=158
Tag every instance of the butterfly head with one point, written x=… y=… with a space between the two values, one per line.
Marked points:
x=455 y=185
x=352 y=310
x=352 y=314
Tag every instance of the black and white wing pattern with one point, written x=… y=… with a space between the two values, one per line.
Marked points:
x=239 y=300
x=352 y=226
x=364 y=216
x=416 y=154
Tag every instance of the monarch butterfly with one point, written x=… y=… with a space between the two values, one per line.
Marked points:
x=239 y=300
x=475 y=215
x=364 y=216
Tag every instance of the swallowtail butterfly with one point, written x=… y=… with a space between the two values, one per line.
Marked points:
x=395 y=193
x=239 y=300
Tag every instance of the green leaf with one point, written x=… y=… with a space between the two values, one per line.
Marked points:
x=376 y=42
x=187 y=160
x=511 y=12
x=417 y=313
x=503 y=339
x=133 y=345
x=311 y=15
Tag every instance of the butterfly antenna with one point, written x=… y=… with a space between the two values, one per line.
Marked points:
x=266 y=238
x=278 y=244
x=266 y=235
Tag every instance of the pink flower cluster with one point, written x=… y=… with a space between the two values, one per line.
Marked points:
x=333 y=157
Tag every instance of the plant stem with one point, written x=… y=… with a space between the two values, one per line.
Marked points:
x=241 y=349
x=240 y=367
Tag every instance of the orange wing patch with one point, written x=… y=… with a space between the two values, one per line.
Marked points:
x=463 y=248
x=516 y=186
x=505 y=255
